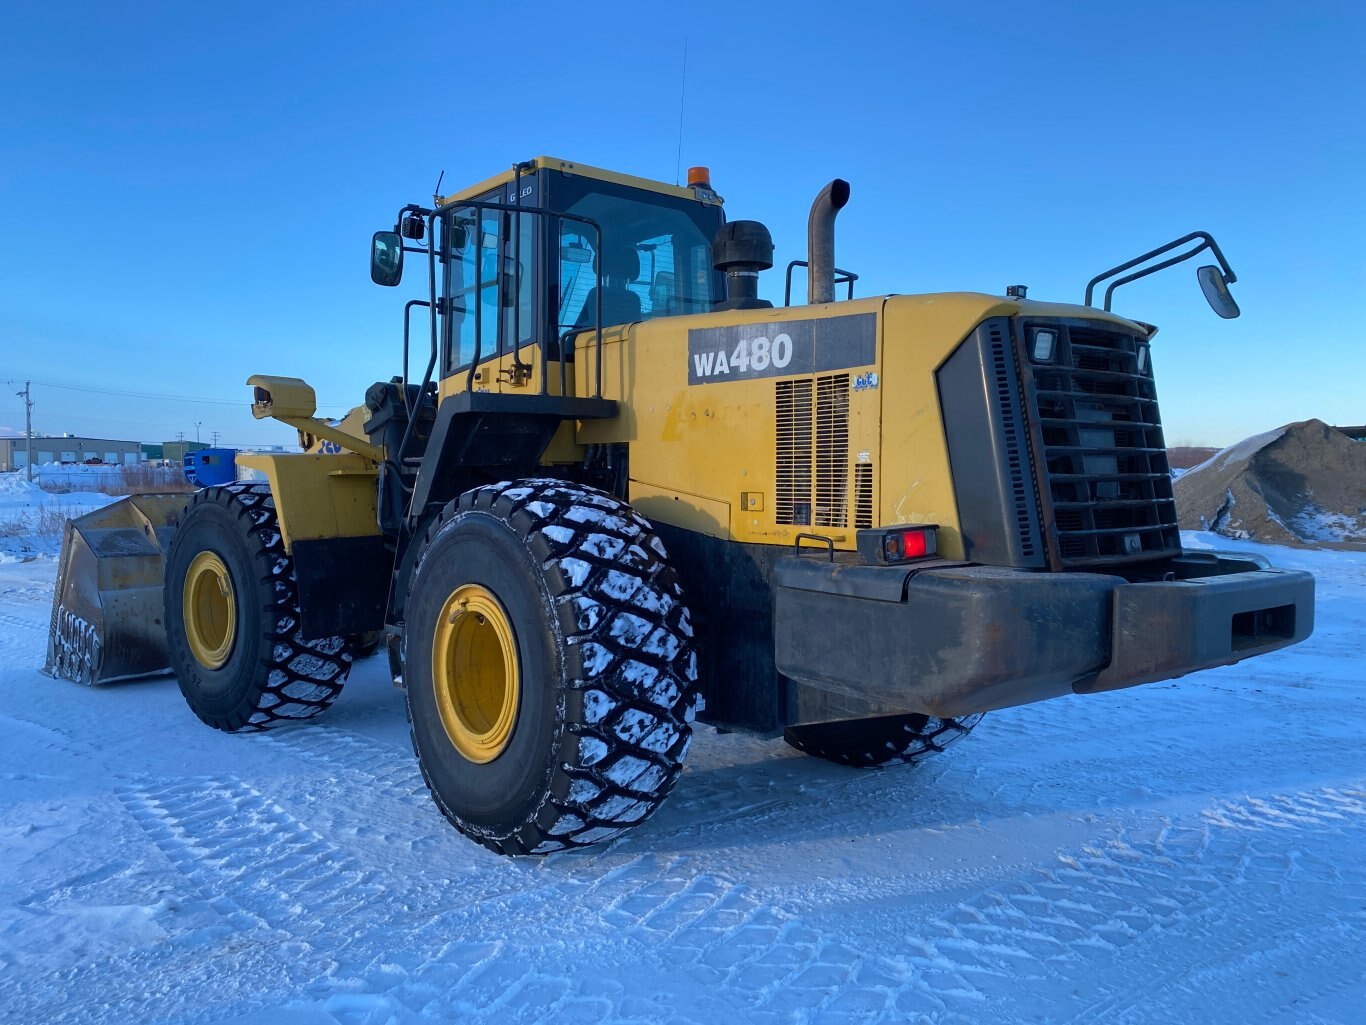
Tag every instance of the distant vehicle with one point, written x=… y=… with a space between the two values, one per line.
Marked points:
x=210 y=467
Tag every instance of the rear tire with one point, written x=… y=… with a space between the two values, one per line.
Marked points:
x=867 y=743
x=549 y=666
x=239 y=655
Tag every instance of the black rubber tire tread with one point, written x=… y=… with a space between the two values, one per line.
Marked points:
x=627 y=686
x=868 y=743
x=288 y=679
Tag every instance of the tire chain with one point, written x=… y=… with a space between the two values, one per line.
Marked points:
x=629 y=652
x=305 y=676
x=904 y=739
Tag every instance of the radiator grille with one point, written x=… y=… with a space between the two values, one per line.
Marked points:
x=813 y=452
x=793 y=504
x=1109 y=481
x=863 y=496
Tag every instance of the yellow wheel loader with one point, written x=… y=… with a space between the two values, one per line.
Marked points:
x=622 y=491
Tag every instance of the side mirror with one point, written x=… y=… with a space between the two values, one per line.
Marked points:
x=386 y=258
x=1215 y=287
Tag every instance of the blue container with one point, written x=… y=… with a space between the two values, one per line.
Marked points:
x=210 y=467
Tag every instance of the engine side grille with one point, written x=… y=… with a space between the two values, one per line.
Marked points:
x=1109 y=482
x=793 y=500
x=832 y=450
x=863 y=496
x=812 y=447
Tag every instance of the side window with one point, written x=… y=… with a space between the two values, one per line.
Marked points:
x=473 y=286
x=480 y=296
x=577 y=275
x=658 y=286
x=664 y=275
x=525 y=255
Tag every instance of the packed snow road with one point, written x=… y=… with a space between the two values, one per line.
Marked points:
x=1193 y=851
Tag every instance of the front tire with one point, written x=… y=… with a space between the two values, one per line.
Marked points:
x=232 y=617
x=549 y=666
x=868 y=743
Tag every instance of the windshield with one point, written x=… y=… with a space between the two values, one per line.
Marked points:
x=655 y=256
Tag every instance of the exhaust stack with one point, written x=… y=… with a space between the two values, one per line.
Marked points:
x=820 y=241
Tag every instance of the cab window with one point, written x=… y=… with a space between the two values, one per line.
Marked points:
x=655 y=262
x=482 y=272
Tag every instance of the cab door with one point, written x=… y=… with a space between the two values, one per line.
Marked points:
x=491 y=289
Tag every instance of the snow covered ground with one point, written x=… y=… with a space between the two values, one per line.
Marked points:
x=1183 y=852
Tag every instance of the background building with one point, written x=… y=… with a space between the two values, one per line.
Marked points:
x=68 y=449
x=175 y=451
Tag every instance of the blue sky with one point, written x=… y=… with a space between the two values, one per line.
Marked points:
x=188 y=190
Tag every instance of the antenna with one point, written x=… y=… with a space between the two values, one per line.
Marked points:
x=682 y=95
x=436 y=192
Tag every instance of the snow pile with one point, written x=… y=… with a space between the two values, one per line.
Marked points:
x=1303 y=484
x=31 y=518
x=16 y=491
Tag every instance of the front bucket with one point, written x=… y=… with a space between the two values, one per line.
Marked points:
x=107 y=617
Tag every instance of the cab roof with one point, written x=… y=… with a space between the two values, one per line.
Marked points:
x=587 y=171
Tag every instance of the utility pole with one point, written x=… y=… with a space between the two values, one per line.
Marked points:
x=215 y=439
x=27 y=395
x=197 y=424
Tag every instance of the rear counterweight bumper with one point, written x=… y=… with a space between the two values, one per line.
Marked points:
x=858 y=640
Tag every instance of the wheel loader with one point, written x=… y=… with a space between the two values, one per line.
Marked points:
x=613 y=490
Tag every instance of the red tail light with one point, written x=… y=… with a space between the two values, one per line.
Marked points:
x=897 y=544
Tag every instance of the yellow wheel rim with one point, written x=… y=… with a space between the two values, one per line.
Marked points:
x=209 y=610
x=476 y=673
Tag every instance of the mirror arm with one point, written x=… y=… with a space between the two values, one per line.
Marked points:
x=1204 y=235
x=1110 y=291
x=1206 y=242
x=1229 y=276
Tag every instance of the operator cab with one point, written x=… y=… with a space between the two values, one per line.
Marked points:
x=532 y=258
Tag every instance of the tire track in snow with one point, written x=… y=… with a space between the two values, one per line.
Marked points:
x=658 y=900
x=1201 y=988
x=265 y=872
x=383 y=769
x=1259 y=926
x=24 y=737
x=1088 y=906
x=26 y=623
x=257 y=877
x=740 y=946
x=249 y=857
x=1092 y=903
x=749 y=952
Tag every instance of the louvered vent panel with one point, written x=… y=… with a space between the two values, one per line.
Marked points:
x=1013 y=441
x=863 y=496
x=793 y=505
x=832 y=450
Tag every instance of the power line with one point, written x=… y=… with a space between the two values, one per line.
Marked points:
x=161 y=423
x=240 y=403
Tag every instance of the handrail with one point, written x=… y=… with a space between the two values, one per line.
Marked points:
x=842 y=277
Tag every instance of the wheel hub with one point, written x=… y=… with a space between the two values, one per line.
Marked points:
x=209 y=610
x=476 y=673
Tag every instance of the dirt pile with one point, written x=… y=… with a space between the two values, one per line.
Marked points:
x=1303 y=484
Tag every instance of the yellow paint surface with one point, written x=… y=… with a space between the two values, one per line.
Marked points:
x=320 y=496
